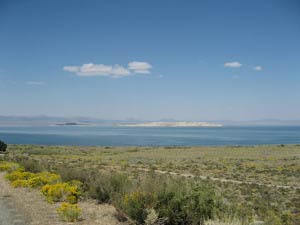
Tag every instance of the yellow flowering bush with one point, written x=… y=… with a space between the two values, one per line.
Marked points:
x=18 y=175
x=8 y=166
x=61 y=192
x=40 y=179
x=69 y=212
x=20 y=183
x=20 y=178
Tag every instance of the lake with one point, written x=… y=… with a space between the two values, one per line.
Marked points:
x=150 y=136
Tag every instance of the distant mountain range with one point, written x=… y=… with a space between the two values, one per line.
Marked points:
x=52 y=120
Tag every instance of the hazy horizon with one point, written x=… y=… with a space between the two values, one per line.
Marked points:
x=47 y=119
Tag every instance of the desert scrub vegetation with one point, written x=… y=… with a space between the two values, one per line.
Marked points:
x=69 y=212
x=186 y=206
x=151 y=197
x=267 y=187
x=8 y=166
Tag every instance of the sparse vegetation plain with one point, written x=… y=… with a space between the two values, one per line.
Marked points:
x=179 y=185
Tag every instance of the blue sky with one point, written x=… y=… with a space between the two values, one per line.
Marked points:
x=187 y=60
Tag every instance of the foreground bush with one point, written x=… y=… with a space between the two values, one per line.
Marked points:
x=20 y=183
x=8 y=166
x=41 y=179
x=31 y=165
x=69 y=212
x=61 y=192
x=20 y=178
x=18 y=175
x=187 y=206
x=173 y=201
x=136 y=205
x=104 y=187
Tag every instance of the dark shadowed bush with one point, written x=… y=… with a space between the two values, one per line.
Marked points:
x=3 y=147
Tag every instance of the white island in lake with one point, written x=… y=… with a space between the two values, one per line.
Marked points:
x=172 y=124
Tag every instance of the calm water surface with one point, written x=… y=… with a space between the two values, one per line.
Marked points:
x=164 y=136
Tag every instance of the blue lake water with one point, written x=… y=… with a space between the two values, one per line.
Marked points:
x=138 y=136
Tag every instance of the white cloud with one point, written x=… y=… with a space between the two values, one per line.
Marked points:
x=257 y=68
x=140 y=67
x=71 y=68
x=233 y=64
x=91 y=69
x=116 y=70
x=35 y=83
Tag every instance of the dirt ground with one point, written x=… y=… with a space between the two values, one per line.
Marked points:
x=22 y=206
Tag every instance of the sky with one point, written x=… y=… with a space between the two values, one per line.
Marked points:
x=118 y=59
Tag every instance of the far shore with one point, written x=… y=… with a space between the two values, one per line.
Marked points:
x=172 y=124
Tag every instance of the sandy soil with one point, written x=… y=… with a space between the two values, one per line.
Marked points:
x=22 y=206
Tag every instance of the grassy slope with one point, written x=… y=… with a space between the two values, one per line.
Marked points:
x=259 y=170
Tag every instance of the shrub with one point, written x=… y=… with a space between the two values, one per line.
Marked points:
x=8 y=166
x=61 y=192
x=3 y=147
x=107 y=188
x=102 y=194
x=186 y=205
x=20 y=178
x=41 y=179
x=31 y=165
x=171 y=205
x=20 y=183
x=272 y=219
x=152 y=217
x=287 y=218
x=201 y=204
x=69 y=212
x=18 y=175
x=136 y=205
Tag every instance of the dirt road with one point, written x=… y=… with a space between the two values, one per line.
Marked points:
x=9 y=214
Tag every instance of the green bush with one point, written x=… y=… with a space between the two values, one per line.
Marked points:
x=31 y=165
x=171 y=206
x=108 y=188
x=201 y=204
x=136 y=205
x=186 y=203
x=101 y=186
